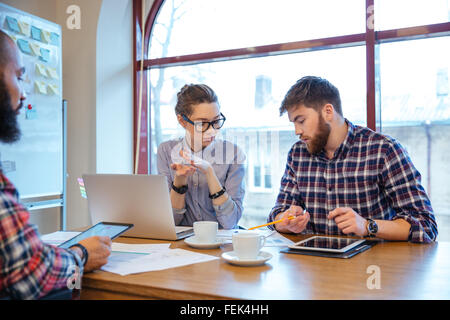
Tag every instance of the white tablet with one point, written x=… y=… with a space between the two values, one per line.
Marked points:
x=328 y=244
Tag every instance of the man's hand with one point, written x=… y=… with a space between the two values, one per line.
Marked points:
x=295 y=225
x=348 y=221
x=99 y=249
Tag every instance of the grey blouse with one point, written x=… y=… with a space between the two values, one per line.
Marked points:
x=227 y=161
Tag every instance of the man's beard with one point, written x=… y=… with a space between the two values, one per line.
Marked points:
x=9 y=126
x=320 y=140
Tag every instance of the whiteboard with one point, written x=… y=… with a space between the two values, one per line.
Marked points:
x=34 y=164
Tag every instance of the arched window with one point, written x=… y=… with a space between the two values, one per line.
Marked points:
x=250 y=52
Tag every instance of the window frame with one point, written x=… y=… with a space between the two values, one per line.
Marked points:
x=370 y=39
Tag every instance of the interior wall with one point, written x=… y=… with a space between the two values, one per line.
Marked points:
x=79 y=88
x=114 y=121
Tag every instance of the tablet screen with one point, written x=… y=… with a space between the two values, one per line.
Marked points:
x=111 y=230
x=327 y=243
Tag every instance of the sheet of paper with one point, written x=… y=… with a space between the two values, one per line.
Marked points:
x=224 y=233
x=130 y=263
x=277 y=240
x=273 y=238
x=58 y=237
x=139 y=248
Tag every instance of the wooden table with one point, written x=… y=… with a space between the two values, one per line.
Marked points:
x=408 y=271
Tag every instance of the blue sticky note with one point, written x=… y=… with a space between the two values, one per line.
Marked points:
x=45 y=55
x=36 y=33
x=24 y=46
x=54 y=39
x=12 y=23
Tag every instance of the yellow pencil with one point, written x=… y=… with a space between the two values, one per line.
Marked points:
x=270 y=223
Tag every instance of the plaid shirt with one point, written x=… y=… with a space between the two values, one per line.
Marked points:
x=29 y=269
x=370 y=173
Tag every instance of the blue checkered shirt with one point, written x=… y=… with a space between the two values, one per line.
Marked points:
x=370 y=173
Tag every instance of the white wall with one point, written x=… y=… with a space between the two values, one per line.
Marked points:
x=115 y=87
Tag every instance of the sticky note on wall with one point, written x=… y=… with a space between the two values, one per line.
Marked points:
x=12 y=23
x=54 y=39
x=35 y=49
x=52 y=73
x=53 y=89
x=41 y=70
x=36 y=33
x=45 y=55
x=25 y=28
x=24 y=46
x=40 y=87
x=46 y=36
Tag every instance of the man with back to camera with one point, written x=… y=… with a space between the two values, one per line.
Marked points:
x=353 y=181
x=30 y=269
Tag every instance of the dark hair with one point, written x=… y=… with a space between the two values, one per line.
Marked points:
x=5 y=49
x=191 y=95
x=312 y=92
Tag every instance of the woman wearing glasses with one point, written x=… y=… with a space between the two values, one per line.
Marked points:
x=205 y=174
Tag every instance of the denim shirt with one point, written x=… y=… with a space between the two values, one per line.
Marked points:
x=227 y=160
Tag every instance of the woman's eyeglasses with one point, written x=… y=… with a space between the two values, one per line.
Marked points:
x=203 y=126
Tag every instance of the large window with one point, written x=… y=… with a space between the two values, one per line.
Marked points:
x=250 y=52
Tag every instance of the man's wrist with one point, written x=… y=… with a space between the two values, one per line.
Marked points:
x=78 y=252
x=366 y=232
x=84 y=253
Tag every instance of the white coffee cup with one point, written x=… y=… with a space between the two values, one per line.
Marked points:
x=205 y=231
x=247 y=244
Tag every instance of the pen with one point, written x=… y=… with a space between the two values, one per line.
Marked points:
x=300 y=202
x=270 y=223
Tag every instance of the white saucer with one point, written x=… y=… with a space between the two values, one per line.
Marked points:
x=192 y=241
x=232 y=258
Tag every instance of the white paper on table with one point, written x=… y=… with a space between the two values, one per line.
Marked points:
x=130 y=263
x=58 y=237
x=227 y=235
x=139 y=248
x=277 y=240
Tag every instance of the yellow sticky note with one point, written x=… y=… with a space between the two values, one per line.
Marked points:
x=46 y=36
x=41 y=70
x=24 y=28
x=35 y=49
x=52 y=73
x=40 y=87
x=53 y=89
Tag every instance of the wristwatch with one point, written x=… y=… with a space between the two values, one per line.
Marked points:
x=85 y=252
x=217 y=194
x=180 y=190
x=372 y=228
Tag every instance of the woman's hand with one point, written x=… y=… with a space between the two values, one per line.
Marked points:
x=196 y=162
x=182 y=170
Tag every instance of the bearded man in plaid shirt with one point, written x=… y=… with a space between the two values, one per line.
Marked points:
x=30 y=269
x=352 y=180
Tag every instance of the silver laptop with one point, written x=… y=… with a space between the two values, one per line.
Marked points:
x=142 y=200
